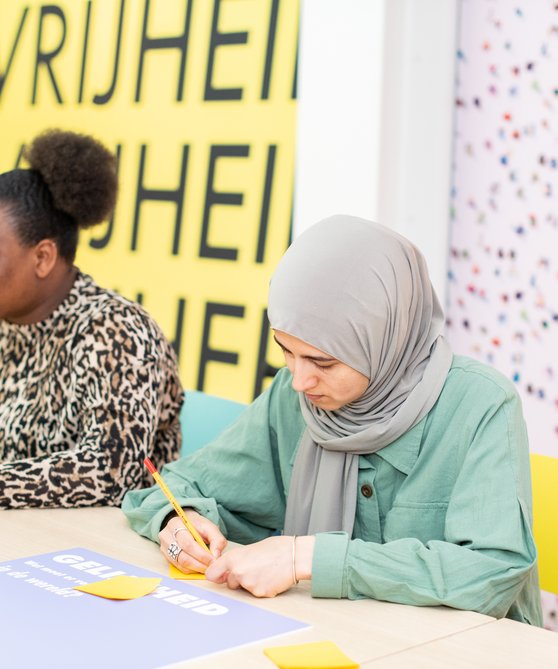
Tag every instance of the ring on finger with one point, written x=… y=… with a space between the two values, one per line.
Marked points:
x=174 y=551
x=179 y=529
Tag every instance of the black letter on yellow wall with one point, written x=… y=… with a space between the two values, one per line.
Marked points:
x=266 y=201
x=212 y=197
x=84 y=54
x=4 y=75
x=180 y=42
x=270 y=47
x=176 y=196
x=220 y=39
x=177 y=341
x=45 y=57
x=295 y=75
x=19 y=156
x=105 y=97
x=103 y=241
x=263 y=368
x=208 y=354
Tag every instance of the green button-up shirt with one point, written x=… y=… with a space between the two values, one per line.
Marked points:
x=443 y=513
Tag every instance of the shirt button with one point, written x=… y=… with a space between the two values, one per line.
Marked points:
x=366 y=490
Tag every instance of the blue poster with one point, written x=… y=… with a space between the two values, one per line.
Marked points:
x=45 y=623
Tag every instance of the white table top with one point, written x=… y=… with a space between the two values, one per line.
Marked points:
x=366 y=630
x=503 y=643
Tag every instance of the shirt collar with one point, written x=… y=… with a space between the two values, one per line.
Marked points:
x=404 y=451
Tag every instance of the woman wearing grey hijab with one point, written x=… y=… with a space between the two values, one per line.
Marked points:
x=362 y=294
x=383 y=465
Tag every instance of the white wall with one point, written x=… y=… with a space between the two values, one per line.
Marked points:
x=376 y=92
x=340 y=76
x=417 y=126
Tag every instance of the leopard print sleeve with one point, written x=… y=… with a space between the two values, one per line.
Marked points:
x=117 y=431
x=111 y=397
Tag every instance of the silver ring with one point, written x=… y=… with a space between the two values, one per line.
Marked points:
x=179 y=529
x=174 y=551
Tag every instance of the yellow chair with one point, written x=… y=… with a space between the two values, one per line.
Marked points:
x=203 y=417
x=544 y=472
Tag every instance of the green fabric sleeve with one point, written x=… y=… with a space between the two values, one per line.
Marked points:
x=238 y=481
x=330 y=554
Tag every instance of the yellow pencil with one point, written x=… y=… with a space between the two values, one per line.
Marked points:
x=183 y=517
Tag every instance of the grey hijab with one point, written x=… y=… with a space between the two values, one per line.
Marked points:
x=360 y=293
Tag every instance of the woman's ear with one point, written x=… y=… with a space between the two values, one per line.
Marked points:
x=46 y=256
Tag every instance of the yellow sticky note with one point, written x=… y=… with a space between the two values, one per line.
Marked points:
x=181 y=576
x=318 y=655
x=121 y=587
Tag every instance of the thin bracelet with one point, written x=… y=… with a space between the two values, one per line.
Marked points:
x=295 y=579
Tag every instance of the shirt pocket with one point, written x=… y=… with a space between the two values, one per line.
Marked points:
x=424 y=521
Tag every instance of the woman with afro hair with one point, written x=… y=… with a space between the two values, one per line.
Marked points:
x=89 y=385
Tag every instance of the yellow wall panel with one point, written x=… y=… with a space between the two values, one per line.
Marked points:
x=197 y=99
x=544 y=471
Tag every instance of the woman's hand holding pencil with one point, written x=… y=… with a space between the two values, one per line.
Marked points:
x=192 y=557
x=190 y=541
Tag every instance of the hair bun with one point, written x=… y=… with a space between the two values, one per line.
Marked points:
x=80 y=174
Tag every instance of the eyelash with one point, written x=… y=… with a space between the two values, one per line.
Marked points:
x=316 y=364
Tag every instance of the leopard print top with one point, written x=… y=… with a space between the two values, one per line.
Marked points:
x=85 y=396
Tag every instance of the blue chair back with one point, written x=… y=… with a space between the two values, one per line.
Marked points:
x=204 y=417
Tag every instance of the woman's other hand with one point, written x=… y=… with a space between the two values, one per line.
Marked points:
x=265 y=568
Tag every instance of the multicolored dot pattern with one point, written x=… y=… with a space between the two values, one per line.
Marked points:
x=503 y=267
